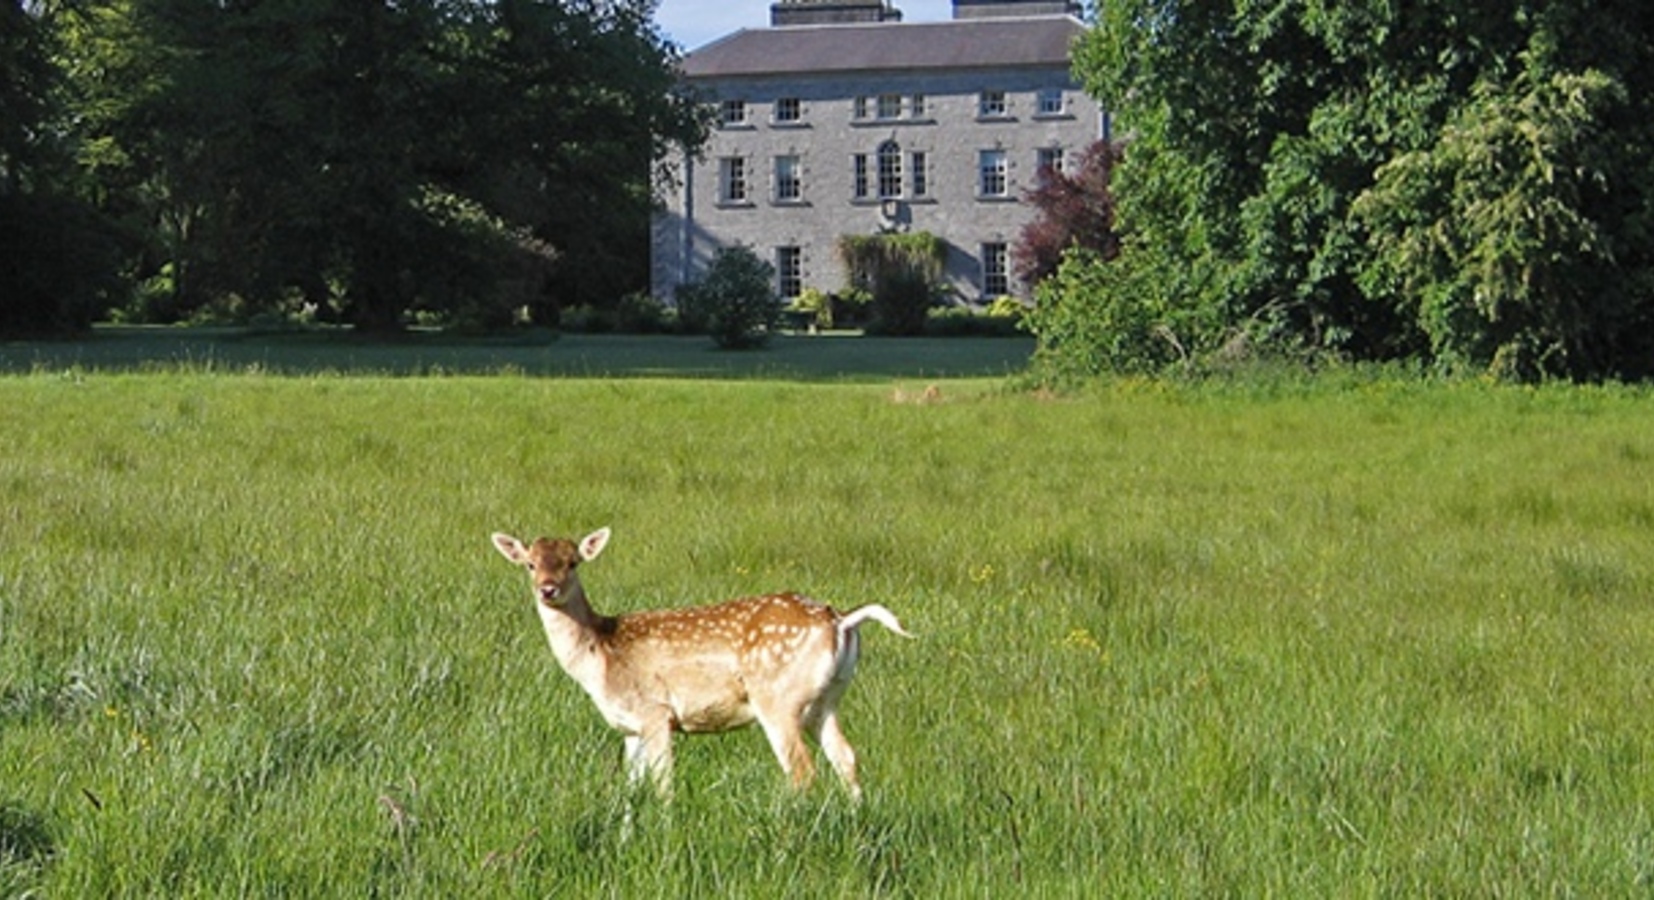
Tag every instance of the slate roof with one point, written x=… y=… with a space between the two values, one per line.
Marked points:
x=887 y=46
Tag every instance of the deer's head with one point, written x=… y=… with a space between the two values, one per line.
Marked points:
x=551 y=562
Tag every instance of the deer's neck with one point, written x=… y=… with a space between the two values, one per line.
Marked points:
x=576 y=636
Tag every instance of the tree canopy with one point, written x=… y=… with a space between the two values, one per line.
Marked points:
x=366 y=159
x=1461 y=182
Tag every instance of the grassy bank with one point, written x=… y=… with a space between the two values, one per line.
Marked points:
x=1376 y=638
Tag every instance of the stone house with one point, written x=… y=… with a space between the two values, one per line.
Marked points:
x=841 y=119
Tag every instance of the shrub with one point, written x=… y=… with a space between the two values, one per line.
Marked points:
x=584 y=318
x=735 y=302
x=963 y=321
x=903 y=273
x=1094 y=317
x=815 y=305
x=850 y=308
x=640 y=313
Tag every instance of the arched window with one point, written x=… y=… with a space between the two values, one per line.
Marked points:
x=890 y=170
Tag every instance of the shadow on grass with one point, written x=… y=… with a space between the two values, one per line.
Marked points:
x=787 y=357
x=26 y=844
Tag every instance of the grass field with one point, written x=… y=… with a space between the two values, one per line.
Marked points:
x=1355 y=637
x=796 y=357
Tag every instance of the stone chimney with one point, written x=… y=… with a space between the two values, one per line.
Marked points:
x=831 y=12
x=988 y=9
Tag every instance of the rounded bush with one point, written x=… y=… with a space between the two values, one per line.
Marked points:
x=736 y=301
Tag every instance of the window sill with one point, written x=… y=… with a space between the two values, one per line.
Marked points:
x=736 y=204
x=1054 y=117
x=888 y=123
x=788 y=124
x=995 y=198
x=996 y=119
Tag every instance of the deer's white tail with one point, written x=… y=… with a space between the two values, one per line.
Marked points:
x=877 y=613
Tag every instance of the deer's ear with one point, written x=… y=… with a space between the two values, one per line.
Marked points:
x=593 y=544
x=510 y=548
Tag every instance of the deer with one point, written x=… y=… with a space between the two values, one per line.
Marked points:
x=781 y=660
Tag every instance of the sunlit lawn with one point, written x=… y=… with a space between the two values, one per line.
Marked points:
x=1356 y=636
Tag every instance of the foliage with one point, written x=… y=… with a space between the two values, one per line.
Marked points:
x=27 y=83
x=851 y=307
x=635 y=313
x=1072 y=208
x=1093 y=318
x=60 y=265
x=1258 y=127
x=61 y=261
x=901 y=272
x=965 y=321
x=735 y=299
x=1495 y=229
x=459 y=161
x=815 y=304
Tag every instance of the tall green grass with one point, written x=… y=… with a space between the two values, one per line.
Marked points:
x=1356 y=638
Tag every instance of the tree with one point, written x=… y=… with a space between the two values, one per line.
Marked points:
x=1497 y=229
x=376 y=158
x=1070 y=210
x=1258 y=127
x=59 y=266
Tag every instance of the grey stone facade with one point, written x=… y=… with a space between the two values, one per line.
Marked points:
x=854 y=129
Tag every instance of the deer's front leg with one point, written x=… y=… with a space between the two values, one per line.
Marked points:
x=637 y=765
x=649 y=753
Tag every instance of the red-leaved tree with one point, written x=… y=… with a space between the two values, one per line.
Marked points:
x=1074 y=208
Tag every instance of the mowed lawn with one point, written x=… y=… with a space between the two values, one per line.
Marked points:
x=838 y=357
x=1345 y=637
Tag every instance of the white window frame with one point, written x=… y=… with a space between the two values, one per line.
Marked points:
x=992 y=104
x=1054 y=157
x=1049 y=102
x=789 y=178
x=789 y=270
x=888 y=162
x=789 y=110
x=732 y=180
x=993 y=173
x=996 y=274
x=732 y=113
